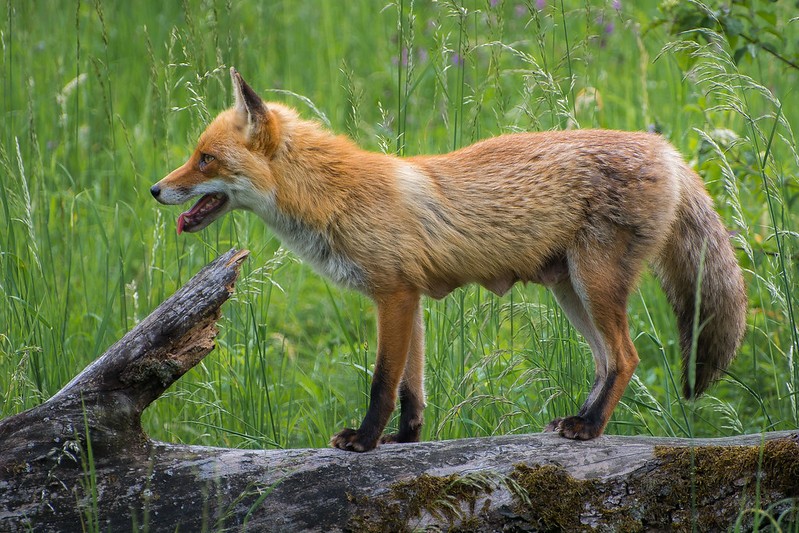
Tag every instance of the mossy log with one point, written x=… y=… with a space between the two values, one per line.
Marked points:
x=81 y=461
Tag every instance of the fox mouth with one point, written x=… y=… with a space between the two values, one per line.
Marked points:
x=207 y=209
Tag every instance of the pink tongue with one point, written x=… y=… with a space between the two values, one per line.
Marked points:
x=181 y=222
x=193 y=211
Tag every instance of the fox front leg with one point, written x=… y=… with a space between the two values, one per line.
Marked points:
x=411 y=390
x=396 y=315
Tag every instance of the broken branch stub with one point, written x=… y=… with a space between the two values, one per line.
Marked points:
x=109 y=396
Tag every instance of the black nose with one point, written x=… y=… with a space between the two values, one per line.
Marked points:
x=156 y=190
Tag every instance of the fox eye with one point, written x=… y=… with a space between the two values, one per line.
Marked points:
x=205 y=159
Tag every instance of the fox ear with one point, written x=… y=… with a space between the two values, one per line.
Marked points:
x=248 y=103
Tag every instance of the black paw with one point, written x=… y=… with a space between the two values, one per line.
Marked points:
x=574 y=427
x=352 y=440
x=395 y=438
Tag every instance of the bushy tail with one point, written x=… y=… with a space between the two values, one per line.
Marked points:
x=697 y=232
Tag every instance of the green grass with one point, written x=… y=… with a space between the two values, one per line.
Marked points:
x=102 y=99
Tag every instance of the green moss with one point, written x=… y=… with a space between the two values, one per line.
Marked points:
x=680 y=489
x=550 y=497
x=775 y=465
x=450 y=499
x=442 y=497
x=714 y=483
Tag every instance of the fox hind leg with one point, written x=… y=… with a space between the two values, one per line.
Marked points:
x=594 y=298
x=572 y=306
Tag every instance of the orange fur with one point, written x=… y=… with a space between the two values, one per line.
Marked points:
x=580 y=211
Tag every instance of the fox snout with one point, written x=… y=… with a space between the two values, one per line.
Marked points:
x=212 y=204
x=168 y=195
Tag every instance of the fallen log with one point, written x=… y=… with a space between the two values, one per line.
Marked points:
x=81 y=461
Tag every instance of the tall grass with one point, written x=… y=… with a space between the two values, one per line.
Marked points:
x=102 y=99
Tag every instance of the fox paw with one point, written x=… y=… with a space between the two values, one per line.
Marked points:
x=395 y=438
x=574 y=427
x=352 y=440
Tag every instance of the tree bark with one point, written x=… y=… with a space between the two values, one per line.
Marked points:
x=82 y=461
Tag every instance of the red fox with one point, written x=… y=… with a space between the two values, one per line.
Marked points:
x=581 y=212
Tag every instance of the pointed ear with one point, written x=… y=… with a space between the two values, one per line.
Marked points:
x=248 y=104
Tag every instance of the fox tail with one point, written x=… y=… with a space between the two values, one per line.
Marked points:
x=710 y=304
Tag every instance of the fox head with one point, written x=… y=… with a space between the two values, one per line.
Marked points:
x=230 y=167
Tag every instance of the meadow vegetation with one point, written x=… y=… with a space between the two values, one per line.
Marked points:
x=101 y=99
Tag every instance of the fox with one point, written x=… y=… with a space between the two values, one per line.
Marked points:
x=582 y=212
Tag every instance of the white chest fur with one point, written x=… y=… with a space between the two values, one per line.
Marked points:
x=311 y=245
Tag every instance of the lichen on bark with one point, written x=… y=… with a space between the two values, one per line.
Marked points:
x=680 y=489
